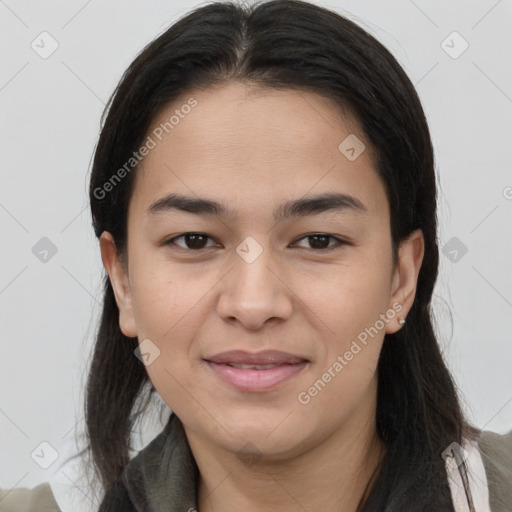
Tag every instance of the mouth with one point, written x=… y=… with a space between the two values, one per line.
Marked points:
x=265 y=357
x=251 y=366
x=255 y=372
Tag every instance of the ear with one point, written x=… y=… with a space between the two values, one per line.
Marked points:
x=405 y=277
x=118 y=275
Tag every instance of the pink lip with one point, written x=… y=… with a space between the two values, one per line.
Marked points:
x=253 y=379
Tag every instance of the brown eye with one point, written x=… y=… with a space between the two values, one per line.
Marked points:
x=320 y=241
x=193 y=241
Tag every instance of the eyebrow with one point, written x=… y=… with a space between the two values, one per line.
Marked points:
x=305 y=206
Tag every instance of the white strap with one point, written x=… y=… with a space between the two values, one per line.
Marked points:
x=476 y=477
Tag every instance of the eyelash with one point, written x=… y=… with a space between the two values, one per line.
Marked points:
x=339 y=241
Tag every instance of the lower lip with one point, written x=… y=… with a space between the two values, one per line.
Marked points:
x=255 y=380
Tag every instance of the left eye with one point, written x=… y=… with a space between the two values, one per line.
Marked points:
x=321 y=241
x=317 y=241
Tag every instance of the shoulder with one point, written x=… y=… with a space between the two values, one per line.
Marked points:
x=496 y=451
x=22 y=499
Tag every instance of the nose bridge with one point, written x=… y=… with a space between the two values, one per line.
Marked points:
x=252 y=293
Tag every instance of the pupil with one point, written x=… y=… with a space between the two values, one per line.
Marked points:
x=194 y=241
x=315 y=238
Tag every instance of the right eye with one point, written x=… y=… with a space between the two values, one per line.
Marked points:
x=193 y=241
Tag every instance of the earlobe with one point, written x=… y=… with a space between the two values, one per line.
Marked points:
x=405 y=278
x=119 y=280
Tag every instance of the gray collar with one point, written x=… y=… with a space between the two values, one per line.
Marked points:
x=163 y=476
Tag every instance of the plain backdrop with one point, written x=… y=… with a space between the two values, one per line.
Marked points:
x=459 y=56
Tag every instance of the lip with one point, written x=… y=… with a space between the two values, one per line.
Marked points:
x=264 y=357
x=251 y=379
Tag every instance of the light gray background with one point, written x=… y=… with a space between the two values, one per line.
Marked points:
x=50 y=111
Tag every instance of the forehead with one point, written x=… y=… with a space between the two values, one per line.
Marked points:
x=252 y=147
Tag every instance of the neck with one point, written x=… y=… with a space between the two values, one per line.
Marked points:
x=331 y=476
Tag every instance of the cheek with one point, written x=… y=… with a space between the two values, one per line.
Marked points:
x=165 y=299
x=348 y=300
x=167 y=313
x=347 y=309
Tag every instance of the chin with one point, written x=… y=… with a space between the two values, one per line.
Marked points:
x=270 y=438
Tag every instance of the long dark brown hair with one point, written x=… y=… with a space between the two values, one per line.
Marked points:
x=288 y=44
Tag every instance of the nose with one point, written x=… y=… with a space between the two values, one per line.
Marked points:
x=255 y=293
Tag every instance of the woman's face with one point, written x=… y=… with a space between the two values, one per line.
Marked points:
x=258 y=278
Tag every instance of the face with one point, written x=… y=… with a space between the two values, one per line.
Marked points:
x=314 y=280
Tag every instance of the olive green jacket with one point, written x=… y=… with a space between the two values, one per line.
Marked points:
x=174 y=490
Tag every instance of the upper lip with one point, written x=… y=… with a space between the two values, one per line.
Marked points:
x=264 y=357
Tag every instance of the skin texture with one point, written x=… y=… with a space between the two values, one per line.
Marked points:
x=253 y=149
